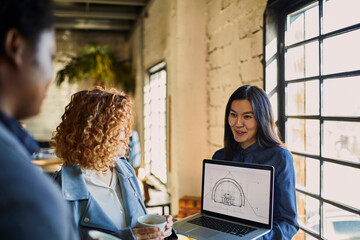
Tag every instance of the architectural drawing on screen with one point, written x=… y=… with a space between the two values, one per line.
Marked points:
x=227 y=191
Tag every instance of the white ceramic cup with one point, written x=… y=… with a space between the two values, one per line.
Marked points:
x=152 y=220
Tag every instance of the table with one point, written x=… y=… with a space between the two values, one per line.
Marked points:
x=49 y=165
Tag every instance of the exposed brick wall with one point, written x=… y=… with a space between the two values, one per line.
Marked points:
x=234 y=54
x=174 y=32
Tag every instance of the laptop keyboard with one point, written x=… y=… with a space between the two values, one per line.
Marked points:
x=222 y=226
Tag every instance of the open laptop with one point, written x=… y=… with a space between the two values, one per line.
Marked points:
x=236 y=202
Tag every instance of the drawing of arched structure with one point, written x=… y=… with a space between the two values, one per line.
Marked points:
x=227 y=191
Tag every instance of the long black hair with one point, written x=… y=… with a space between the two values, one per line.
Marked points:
x=266 y=135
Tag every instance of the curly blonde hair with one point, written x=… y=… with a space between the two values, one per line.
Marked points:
x=95 y=128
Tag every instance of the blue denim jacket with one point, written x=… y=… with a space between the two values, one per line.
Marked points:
x=87 y=212
x=285 y=223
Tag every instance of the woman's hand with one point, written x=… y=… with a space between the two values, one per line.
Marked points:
x=148 y=233
x=152 y=233
x=168 y=227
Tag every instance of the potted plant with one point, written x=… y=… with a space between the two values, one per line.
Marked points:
x=99 y=64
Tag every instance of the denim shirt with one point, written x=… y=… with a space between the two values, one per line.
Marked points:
x=285 y=223
x=88 y=214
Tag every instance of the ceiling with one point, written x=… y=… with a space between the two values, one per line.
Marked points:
x=97 y=15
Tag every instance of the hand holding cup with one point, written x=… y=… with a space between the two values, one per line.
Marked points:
x=152 y=226
x=149 y=227
x=152 y=220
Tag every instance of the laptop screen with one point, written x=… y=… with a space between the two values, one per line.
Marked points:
x=238 y=190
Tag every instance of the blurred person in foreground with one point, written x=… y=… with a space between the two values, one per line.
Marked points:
x=31 y=205
x=101 y=187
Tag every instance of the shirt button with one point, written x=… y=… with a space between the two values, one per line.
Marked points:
x=67 y=195
x=86 y=219
x=135 y=194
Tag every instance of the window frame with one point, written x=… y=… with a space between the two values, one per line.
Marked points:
x=275 y=22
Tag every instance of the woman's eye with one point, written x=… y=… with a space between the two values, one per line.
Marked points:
x=247 y=116
x=233 y=114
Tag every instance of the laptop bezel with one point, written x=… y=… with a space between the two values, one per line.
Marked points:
x=235 y=219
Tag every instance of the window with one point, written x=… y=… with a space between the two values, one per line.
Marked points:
x=312 y=77
x=155 y=123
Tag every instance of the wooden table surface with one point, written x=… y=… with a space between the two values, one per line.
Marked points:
x=49 y=165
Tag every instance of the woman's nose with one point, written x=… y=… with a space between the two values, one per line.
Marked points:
x=239 y=122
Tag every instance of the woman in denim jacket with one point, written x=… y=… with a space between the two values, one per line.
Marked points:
x=101 y=188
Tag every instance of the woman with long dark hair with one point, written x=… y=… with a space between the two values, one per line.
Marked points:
x=250 y=137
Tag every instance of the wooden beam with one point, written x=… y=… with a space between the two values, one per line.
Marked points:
x=92 y=26
x=95 y=15
x=111 y=2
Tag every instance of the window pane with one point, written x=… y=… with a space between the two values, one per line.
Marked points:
x=271 y=47
x=155 y=125
x=274 y=105
x=342 y=140
x=302 y=25
x=302 y=98
x=341 y=97
x=340 y=13
x=308 y=211
x=303 y=135
x=340 y=184
x=271 y=76
x=340 y=224
x=302 y=61
x=341 y=53
x=307 y=171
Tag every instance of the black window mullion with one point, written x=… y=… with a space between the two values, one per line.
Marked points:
x=306 y=79
x=303 y=42
x=340 y=162
x=281 y=78
x=326 y=76
x=324 y=118
x=321 y=184
x=324 y=36
x=333 y=203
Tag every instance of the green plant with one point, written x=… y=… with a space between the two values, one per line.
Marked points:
x=99 y=64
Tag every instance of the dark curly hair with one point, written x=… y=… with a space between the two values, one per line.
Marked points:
x=95 y=128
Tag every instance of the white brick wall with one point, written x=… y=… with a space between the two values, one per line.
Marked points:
x=234 y=45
